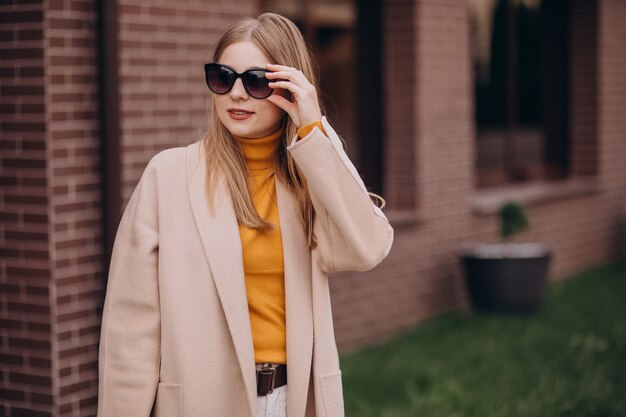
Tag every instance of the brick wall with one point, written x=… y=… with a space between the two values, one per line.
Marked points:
x=26 y=235
x=163 y=47
x=612 y=125
x=75 y=203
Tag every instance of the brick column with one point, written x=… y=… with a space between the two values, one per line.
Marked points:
x=51 y=274
x=27 y=359
x=445 y=110
x=611 y=147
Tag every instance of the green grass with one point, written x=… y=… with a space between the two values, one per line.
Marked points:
x=567 y=360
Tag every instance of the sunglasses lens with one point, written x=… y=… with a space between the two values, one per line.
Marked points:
x=219 y=78
x=257 y=84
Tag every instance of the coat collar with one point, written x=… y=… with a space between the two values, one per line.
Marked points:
x=219 y=234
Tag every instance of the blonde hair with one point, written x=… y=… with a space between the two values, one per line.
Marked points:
x=281 y=41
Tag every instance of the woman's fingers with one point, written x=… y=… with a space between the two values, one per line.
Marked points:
x=284 y=104
x=290 y=73
x=280 y=67
x=294 y=76
x=287 y=85
x=305 y=108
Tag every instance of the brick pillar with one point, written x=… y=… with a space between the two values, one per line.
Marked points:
x=27 y=361
x=51 y=265
x=75 y=205
x=611 y=123
x=445 y=110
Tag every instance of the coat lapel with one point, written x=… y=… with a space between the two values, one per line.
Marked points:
x=219 y=234
x=222 y=245
x=298 y=301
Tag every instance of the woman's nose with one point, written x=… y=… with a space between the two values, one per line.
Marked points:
x=238 y=92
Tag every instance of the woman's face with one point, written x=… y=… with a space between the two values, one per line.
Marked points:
x=262 y=117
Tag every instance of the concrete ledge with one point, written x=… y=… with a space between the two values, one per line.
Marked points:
x=488 y=201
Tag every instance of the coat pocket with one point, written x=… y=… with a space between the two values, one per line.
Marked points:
x=168 y=401
x=332 y=392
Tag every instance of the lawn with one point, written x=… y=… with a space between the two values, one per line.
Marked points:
x=569 y=359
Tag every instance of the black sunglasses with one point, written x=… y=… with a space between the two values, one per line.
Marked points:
x=220 y=79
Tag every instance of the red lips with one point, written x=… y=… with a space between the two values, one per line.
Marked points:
x=239 y=114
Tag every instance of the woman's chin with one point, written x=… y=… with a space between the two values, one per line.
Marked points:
x=237 y=129
x=249 y=131
x=244 y=133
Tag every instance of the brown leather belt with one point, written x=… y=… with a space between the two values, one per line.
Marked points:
x=270 y=376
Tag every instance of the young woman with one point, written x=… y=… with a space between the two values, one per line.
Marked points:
x=218 y=284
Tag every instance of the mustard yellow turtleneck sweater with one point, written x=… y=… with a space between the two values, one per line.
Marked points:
x=263 y=252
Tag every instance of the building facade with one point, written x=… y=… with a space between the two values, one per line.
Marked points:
x=439 y=116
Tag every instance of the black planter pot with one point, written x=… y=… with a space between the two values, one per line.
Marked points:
x=507 y=278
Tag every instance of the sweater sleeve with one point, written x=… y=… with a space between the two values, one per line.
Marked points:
x=306 y=129
x=352 y=232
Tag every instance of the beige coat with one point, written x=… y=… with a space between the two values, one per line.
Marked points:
x=176 y=327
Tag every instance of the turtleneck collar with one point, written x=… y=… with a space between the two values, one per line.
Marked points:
x=259 y=151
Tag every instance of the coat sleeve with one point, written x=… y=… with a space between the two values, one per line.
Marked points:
x=129 y=355
x=353 y=233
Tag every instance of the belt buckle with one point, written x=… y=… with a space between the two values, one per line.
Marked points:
x=272 y=370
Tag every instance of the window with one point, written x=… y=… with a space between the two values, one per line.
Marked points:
x=521 y=76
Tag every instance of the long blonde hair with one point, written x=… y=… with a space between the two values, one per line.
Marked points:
x=281 y=41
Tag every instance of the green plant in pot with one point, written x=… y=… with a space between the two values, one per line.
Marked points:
x=505 y=276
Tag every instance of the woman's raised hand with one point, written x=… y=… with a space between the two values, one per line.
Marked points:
x=305 y=109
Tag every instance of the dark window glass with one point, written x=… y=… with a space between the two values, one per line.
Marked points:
x=520 y=63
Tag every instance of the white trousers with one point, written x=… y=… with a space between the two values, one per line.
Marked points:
x=274 y=404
